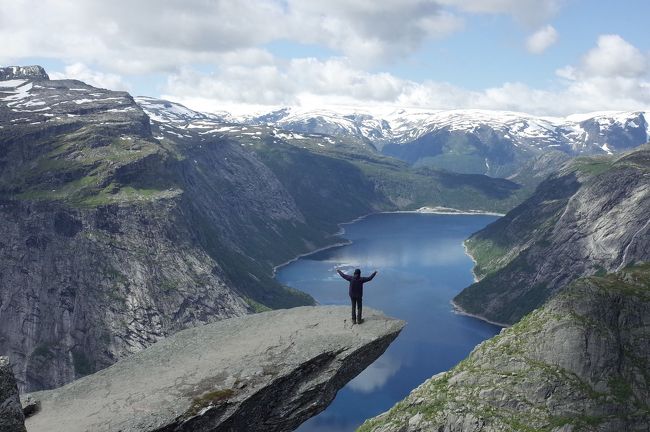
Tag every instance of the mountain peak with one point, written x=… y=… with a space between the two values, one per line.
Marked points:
x=23 y=72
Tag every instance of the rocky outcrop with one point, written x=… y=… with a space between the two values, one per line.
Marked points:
x=263 y=372
x=580 y=363
x=121 y=227
x=11 y=412
x=589 y=218
x=23 y=72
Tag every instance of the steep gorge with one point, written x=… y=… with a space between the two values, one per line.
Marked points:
x=119 y=231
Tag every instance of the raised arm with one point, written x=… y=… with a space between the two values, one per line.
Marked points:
x=343 y=275
x=369 y=278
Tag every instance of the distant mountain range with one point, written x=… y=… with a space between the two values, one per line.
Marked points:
x=495 y=143
x=125 y=222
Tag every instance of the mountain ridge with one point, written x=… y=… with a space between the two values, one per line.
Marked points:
x=588 y=218
x=121 y=229
x=496 y=143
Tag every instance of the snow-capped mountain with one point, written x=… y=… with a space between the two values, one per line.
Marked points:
x=480 y=141
x=170 y=119
x=496 y=143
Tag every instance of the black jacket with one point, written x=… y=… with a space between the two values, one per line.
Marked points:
x=356 y=283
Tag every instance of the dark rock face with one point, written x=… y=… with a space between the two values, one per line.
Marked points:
x=471 y=141
x=103 y=248
x=11 y=412
x=263 y=372
x=23 y=72
x=579 y=363
x=119 y=229
x=590 y=218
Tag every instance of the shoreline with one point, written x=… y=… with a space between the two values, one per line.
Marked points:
x=460 y=311
x=467 y=252
x=449 y=211
x=421 y=210
x=302 y=255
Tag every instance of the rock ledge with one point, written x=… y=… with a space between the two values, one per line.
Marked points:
x=263 y=372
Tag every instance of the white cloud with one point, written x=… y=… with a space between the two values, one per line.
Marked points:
x=81 y=72
x=601 y=80
x=160 y=35
x=543 y=38
x=529 y=12
x=376 y=375
x=615 y=57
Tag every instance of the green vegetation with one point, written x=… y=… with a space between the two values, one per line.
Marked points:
x=257 y=306
x=498 y=383
x=488 y=255
x=592 y=166
x=208 y=399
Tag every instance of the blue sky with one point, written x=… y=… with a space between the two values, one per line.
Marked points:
x=438 y=54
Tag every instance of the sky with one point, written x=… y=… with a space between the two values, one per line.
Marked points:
x=543 y=57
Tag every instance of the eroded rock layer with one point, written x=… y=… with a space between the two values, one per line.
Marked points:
x=263 y=372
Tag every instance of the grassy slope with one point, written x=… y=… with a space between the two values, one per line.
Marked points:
x=497 y=385
x=501 y=249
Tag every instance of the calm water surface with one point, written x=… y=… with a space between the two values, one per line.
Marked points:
x=422 y=266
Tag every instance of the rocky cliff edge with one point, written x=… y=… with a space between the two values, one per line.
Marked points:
x=579 y=363
x=263 y=372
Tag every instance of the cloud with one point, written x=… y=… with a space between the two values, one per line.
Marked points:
x=81 y=72
x=375 y=375
x=158 y=36
x=529 y=12
x=614 y=75
x=615 y=57
x=543 y=38
x=366 y=31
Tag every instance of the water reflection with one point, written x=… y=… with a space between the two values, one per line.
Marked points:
x=376 y=375
x=422 y=266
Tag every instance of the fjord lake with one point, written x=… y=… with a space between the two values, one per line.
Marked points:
x=421 y=266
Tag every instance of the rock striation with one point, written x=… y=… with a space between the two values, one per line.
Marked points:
x=579 y=363
x=126 y=221
x=264 y=372
x=11 y=412
x=495 y=143
x=589 y=218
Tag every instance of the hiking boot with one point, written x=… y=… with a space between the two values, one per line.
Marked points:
x=354 y=321
x=359 y=321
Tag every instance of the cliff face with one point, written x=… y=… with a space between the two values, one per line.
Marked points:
x=119 y=229
x=11 y=413
x=112 y=239
x=580 y=363
x=263 y=372
x=590 y=218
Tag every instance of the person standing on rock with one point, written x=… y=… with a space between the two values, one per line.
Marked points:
x=356 y=292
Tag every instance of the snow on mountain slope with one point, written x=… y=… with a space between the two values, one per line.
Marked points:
x=475 y=141
x=173 y=120
x=406 y=125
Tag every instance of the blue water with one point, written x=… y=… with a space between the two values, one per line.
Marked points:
x=422 y=266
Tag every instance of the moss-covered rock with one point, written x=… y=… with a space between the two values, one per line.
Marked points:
x=579 y=363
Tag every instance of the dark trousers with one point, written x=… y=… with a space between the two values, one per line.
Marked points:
x=356 y=308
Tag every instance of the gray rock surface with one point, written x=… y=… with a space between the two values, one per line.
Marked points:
x=121 y=227
x=579 y=363
x=23 y=72
x=589 y=218
x=11 y=412
x=263 y=372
